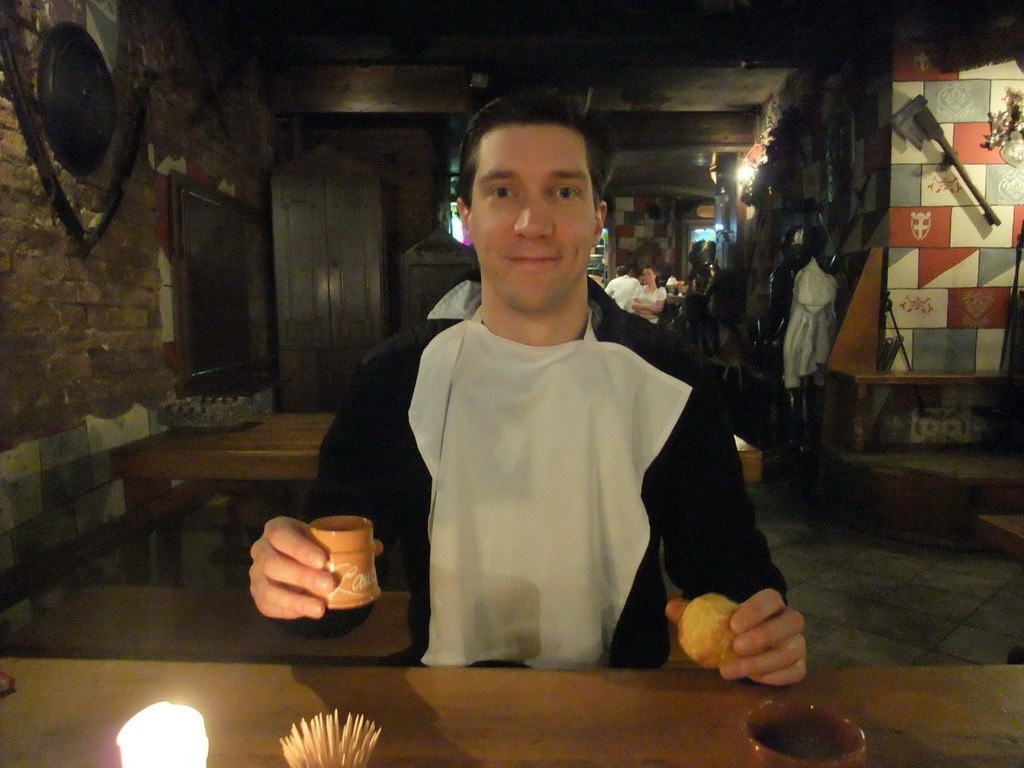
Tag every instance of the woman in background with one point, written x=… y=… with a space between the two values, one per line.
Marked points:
x=649 y=298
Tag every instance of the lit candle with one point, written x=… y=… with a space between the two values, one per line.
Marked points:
x=164 y=735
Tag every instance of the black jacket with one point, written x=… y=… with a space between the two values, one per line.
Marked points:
x=694 y=492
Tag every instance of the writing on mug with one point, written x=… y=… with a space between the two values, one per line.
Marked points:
x=353 y=579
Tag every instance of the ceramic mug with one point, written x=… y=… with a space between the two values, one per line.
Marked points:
x=791 y=734
x=349 y=542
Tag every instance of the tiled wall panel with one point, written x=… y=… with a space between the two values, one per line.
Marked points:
x=58 y=487
x=950 y=271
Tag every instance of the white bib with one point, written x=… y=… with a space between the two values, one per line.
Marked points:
x=536 y=525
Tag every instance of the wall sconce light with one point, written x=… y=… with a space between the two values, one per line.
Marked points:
x=745 y=174
x=713 y=170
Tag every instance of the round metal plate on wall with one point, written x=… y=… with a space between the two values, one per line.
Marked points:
x=76 y=98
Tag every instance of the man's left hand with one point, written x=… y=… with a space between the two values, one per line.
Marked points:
x=769 y=642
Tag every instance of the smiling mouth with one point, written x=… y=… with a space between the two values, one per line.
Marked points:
x=532 y=263
x=529 y=256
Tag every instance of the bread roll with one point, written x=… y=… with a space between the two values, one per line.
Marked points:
x=704 y=631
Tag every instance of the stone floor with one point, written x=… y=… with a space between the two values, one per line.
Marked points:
x=873 y=600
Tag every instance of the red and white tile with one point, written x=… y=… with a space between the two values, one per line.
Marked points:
x=948 y=268
x=1007 y=70
x=943 y=185
x=968 y=140
x=903 y=272
x=921 y=308
x=968 y=228
x=912 y=62
x=989 y=349
x=977 y=307
x=997 y=99
x=920 y=226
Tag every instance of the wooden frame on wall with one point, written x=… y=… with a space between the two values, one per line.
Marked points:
x=221 y=264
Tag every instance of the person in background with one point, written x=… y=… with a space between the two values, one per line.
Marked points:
x=622 y=286
x=490 y=444
x=649 y=299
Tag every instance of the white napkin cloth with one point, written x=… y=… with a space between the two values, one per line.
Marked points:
x=536 y=526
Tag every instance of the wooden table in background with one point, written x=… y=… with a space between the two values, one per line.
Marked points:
x=282 y=446
x=68 y=712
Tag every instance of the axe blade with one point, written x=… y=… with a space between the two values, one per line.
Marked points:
x=905 y=123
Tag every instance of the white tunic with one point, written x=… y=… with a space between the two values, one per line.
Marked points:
x=812 y=324
x=536 y=526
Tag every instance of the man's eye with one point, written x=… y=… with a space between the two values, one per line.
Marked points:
x=567 y=193
x=501 y=192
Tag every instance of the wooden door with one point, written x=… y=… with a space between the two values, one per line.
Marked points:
x=329 y=260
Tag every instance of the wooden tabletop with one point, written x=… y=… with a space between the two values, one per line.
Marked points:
x=67 y=712
x=922 y=378
x=281 y=446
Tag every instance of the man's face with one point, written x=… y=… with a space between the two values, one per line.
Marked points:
x=534 y=221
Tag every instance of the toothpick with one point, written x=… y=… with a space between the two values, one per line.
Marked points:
x=318 y=744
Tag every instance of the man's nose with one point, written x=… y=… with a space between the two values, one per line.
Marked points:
x=534 y=220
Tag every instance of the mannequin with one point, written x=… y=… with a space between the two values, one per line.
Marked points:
x=771 y=326
x=769 y=330
x=810 y=331
x=702 y=328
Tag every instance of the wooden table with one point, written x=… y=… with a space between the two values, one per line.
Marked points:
x=67 y=713
x=282 y=446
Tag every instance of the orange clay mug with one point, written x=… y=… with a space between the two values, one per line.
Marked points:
x=349 y=542
x=791 y=734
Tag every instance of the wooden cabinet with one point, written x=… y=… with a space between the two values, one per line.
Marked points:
x=329 y=268
x=430 y=269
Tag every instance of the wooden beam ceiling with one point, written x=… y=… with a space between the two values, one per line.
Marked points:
x=383 y=88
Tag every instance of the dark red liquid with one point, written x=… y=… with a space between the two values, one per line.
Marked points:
x=802 y=744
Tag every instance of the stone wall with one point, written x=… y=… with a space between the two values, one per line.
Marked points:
x=87 y=342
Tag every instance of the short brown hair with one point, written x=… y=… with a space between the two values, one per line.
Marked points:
x=538 y=107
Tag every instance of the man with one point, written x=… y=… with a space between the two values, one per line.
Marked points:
x=490 y=443
x=622 y=287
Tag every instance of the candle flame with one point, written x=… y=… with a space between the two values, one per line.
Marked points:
x=164 y=735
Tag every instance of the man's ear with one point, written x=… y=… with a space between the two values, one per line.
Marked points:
x=464 y=216
x=600 y=213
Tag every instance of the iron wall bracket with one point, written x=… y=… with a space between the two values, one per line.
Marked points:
x=123 y=165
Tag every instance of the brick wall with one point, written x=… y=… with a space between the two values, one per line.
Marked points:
x=85 y=342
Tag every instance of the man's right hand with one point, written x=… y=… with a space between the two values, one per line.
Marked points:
x=288 y=573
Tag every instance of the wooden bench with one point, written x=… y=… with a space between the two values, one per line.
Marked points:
x=1004 y=532
x=928 y=496
x=849 y=403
